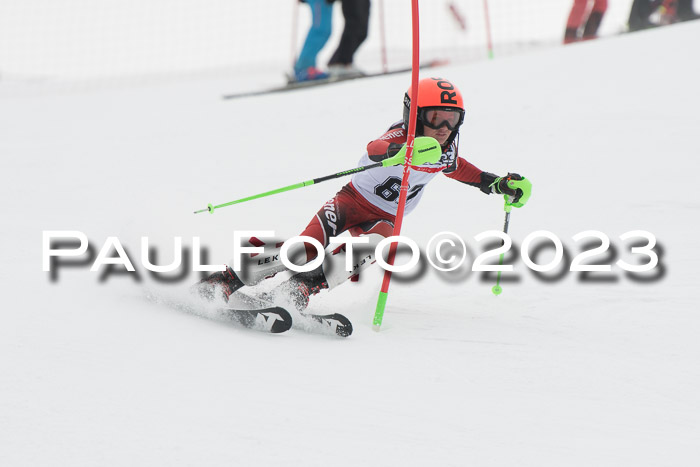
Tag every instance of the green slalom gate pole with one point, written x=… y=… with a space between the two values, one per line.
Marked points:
x=426 y=149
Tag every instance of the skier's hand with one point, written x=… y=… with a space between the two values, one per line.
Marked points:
x=393 y=149
x=501 y=186
x=517 y=187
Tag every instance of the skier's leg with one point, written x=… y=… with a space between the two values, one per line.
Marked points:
x=356 y=14
x=319 y=33
x=255 y=267
x=639 y=15
x=575 y=20
x=334 y=271
x=594 y=19
x=346 y=210
x=685 y=12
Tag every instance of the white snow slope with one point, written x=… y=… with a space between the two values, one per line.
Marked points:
x=562 y=373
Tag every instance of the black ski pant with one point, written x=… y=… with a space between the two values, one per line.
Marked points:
x=356 y=13
x=684 y=10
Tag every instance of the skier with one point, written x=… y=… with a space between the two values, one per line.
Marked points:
x=367 y=205
x=356 y=14
x=320 y=31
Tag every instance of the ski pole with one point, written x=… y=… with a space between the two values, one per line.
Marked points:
x=211 y=208
x=497 y=289
x=426 y=149
x=525 y=186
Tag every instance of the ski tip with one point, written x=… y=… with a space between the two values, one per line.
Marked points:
x=343 y=326
x=344 y=330
x=335 y=323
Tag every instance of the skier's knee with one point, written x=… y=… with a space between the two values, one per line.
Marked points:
x=380 y=227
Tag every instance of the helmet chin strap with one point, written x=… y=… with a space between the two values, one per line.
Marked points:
x=451 y=138
x=419 y=128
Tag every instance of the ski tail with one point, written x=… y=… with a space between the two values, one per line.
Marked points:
x=335 y=323
x=271 y=319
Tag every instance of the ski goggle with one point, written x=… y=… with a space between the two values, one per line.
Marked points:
x=437 y=117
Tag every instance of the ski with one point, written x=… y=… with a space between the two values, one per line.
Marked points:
x=271 y=319
x=266 y=318
x=334 y=323
x=321 y=82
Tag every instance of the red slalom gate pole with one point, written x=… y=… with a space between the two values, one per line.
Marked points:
x=489 y=42
x=382 y=37
x=415 y=67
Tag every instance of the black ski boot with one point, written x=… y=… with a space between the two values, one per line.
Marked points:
x=300 y=287
x=226 y=282
x=571 y=36
x=639 y=16
x=685 y=12
x=592 y=25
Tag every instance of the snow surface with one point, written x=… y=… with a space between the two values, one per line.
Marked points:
x=251 y=41
x=549 y=373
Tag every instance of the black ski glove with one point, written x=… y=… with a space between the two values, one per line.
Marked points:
x=390 y=151
x=393 y=149
x=500 y=186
